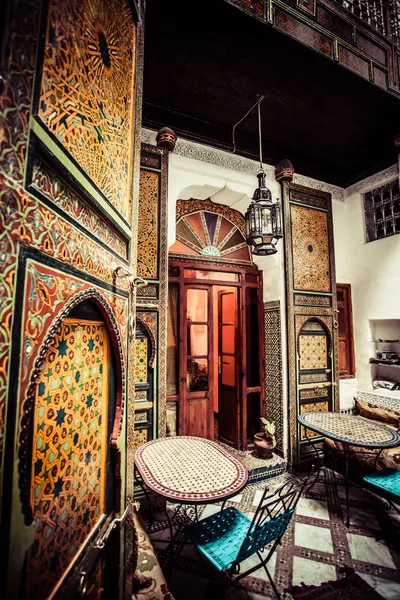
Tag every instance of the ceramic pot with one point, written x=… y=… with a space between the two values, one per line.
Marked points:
x=264 y=446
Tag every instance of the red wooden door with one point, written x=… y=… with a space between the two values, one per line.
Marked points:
x=228 y=357
x=197 y=366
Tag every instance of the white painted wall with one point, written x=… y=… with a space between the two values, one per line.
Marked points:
x=344 y=274
x=375 y=278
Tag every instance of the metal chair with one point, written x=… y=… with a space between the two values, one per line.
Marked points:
x=227 y=538
x=386 y=483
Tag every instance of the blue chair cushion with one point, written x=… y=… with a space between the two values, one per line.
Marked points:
x=225 y=538
x=220 y=536
x=388 y=481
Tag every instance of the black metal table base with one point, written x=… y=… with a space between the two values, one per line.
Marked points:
x=347 y=481
x=183 y=515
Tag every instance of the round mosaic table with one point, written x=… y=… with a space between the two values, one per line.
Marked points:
x=349 y=430
x=190 y=470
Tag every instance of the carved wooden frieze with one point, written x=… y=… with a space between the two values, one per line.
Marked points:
x=363 y=41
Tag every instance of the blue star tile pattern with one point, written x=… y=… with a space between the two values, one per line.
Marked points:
x=69 y=449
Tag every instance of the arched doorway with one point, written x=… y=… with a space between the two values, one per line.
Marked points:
x=215 y=352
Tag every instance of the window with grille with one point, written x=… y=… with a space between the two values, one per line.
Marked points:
x=382 y=211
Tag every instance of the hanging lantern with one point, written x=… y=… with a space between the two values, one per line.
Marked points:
x=263 y=220
x=263 y=217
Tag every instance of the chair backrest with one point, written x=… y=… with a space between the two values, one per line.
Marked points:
x=272 y=517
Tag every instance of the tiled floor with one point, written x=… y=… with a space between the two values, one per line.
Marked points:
x=316 y=544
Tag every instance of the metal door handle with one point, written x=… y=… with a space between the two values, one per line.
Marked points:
x=117 y=522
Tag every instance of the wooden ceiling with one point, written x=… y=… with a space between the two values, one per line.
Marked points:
x=205 y=63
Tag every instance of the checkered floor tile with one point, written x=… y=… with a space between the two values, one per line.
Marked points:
x=316 y=544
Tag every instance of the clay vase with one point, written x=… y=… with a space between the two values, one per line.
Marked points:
x=264 y=446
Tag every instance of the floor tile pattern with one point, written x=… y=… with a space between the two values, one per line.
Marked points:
x=316 y=544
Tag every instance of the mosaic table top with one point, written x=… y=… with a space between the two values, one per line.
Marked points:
x=190 y=470
x=351 y=429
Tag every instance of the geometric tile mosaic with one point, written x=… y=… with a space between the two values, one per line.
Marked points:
x=69 y=449
x=313 y=352
x=273 y=369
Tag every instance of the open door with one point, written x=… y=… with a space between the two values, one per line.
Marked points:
x=197 y=362
x=228 y=356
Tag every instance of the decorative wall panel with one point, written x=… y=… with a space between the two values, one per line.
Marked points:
x=355 y=35
x=312 y=377
x=141 y=359
x=45 y=182
x=69 y=449
x=312 y=326
x=86 y=90
x=312 y=407
x=273 y=369
x=152 y=257
x=141 y=436
x=314 y=300
x=310 y=249
x=312 y=352
x=58 y=249
x=145 y=384
x=149 y=230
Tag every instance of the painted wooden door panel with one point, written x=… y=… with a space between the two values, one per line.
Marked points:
x=67 y=181
x=311 y=306
x=197 y=360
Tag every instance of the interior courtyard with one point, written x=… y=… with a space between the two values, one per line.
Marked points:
x=200 y=299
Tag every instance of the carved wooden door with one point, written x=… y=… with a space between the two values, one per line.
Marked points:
x=67 y=192
x=72 y=483
x=312 y=313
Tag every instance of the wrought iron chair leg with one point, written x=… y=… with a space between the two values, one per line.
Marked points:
x=140 y=484
x=346 y=451
x=277 y=594
x=319 y=463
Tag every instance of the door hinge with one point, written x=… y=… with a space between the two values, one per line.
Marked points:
x=115 y=523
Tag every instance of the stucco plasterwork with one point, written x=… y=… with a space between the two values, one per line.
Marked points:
x=227 y=160
x=374 y=181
